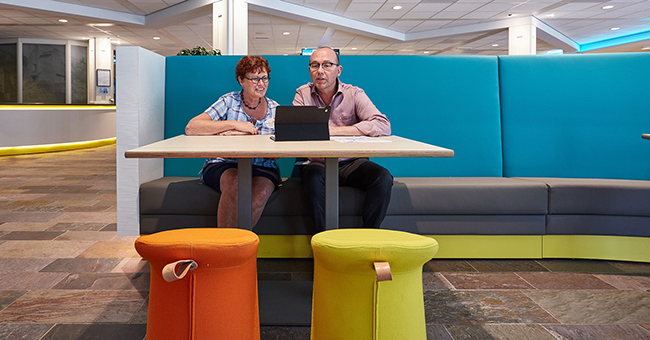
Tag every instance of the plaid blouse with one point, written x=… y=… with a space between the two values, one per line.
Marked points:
x=229 y=107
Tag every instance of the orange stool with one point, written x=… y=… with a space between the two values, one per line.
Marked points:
x=203 y=284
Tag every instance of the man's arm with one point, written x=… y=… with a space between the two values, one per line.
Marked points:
x=371 y=121
x=298 y=99
x=345 y=131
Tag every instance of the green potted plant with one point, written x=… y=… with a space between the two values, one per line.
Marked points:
x=199 y=50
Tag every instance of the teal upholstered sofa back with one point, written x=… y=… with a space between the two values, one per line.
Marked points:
x=555 y=116
x=576 y=115
x=447 y=101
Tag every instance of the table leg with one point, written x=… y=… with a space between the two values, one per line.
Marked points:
x=245 y=201
x=331 y=193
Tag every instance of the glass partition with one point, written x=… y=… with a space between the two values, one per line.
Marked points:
x=44 y=73
x=8 y=74
x=79 y=56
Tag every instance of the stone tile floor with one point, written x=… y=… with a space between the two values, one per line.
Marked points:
x=66 y=274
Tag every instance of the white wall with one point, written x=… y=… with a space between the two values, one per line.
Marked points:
x=31 y=125
x=140 y=101
x=100 y=52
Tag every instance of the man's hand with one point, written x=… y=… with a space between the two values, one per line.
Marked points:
x=345 y=131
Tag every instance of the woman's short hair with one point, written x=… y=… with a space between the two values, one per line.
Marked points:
x=251 y=64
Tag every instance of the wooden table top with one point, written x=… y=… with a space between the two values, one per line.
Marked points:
x=251 y=146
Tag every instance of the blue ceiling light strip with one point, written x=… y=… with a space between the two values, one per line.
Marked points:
x=627 y=39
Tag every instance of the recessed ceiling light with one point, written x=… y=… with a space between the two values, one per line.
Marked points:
x=550 y=15
x=101 y=25
x=614 y=28
x=63 y=20
x=286 y=33
x=426 y=52
x=608 y=7
x=495 y=45
x=353 y=48
x=397 y=7
x=156 y=38
x=645 y=48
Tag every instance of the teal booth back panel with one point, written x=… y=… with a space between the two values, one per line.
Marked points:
x=451 y=102
x=576 y=115
x=193 y=83
x=447 y=101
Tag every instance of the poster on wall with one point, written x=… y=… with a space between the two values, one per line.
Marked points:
x=104 y=78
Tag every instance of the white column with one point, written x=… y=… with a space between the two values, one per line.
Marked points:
x=522 y=40
x=230 y=27
x=19 y=65
x=103 y=61
x=68 y=73
x=140 y=121
x=219 y=38
x=90 y=72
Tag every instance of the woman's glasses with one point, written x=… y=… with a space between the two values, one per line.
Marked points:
x=257 y=79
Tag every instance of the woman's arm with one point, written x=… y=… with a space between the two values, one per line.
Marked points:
x=203 y=125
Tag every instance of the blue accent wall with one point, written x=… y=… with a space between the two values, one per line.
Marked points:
x=193 y=83
x=451 y=102
x=514 y=116
x=576 y=115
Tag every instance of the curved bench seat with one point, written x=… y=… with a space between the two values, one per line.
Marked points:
x=471 y=217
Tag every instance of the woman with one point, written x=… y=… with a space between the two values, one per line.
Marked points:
x=245 y=112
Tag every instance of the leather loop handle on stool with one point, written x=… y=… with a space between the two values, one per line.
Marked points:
x=169 y=271
x=383 y=271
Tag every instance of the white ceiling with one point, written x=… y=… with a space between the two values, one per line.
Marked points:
x=443 y=27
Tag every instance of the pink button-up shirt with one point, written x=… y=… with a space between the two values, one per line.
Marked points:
x=350 y=107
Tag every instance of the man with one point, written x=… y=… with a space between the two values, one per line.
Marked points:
x=352 y=114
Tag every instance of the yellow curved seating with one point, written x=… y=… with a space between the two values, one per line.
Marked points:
x=348 y=300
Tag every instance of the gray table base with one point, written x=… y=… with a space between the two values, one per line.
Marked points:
x=285 y=303
x=245 y=177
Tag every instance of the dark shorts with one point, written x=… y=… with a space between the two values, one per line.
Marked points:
x=213 y=171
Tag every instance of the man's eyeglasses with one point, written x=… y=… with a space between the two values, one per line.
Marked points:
x=257 y=79
x=326 y=66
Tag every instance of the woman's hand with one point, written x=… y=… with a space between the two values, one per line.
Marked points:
x=247 y=128
x=203 y=125
x=231 y=133
x=240 y=128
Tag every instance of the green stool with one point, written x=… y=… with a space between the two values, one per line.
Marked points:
x=354 y=294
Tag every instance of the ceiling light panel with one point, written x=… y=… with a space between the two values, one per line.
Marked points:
x=448 y=15
x=361 y=16
x=405 y=25
x=328 y=7
x=364 y=7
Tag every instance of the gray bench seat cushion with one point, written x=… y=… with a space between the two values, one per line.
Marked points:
x=467 y=196
x=598 y=225
x=467 y=206
x=467 y=224
x=411 y=196
x=446 y=205
x=584 y=206
x=189 y=196
x=597 y=196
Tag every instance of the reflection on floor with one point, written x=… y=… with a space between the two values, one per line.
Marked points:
x=66 y=274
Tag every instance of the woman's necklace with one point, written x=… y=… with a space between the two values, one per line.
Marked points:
x=259 y=101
